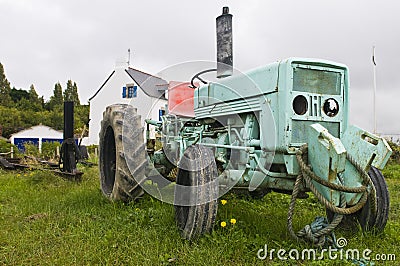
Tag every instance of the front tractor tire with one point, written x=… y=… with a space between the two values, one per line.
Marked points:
x=196 y=193
x=369 y=221
x=122 y=158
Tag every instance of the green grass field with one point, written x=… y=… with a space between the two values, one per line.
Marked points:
x=45 y=220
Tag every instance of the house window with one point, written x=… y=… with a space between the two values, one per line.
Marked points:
x=132 y=92
x=129 y=92
x=160 y=114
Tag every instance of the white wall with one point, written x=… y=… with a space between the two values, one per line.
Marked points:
x=111 y=93
x=147 y=108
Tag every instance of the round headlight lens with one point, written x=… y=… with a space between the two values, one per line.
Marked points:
x=331 y=107
x=300 y=105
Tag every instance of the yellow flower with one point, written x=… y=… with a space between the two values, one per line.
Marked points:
x=18 y=175
x=224 y=202
x=233 y=221
x=223 y=224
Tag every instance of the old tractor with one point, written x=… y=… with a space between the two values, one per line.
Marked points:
x=282 y=127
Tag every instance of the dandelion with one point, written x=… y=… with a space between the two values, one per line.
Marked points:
x=224 y=202
x=223 y=224
x=233 y=221
x=18 y=175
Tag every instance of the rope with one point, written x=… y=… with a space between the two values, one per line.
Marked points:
x=309 y=174
x=320 y=232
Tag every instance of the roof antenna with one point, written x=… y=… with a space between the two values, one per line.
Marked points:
x=129 y=57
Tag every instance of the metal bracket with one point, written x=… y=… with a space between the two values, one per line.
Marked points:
x=327 y=157
x=367 y=150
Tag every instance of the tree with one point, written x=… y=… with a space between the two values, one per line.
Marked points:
x=5 y=89
x=71 y=93
x=33 y=96
x=36 y=103
x=57 y=98
x=56 y=120
x=81 y=117
x=21 y=109
x=76 y=95
x=10 y=120
x=18 y=95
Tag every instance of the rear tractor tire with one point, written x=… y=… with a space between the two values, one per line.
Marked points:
x=122 y=160
x=196 y=193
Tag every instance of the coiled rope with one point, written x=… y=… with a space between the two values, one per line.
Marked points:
x=320 y=232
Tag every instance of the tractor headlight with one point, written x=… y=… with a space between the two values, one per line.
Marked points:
x=331 y=107
x=300 y=105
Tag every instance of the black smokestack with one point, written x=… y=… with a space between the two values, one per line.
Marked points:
x=224 y=44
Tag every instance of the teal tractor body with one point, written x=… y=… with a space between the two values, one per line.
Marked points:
x=272 y=125
x=294 y=102
x=281 y=127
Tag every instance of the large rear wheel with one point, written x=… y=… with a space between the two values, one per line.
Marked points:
x=196 y=192
x=121 y=137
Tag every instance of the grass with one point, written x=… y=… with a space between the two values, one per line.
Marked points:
x=46 y=220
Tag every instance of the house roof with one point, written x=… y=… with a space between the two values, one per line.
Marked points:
x=151 y=85
x=37 y=132
x=105 y=82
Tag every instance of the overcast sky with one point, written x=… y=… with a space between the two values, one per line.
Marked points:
x=49 y=41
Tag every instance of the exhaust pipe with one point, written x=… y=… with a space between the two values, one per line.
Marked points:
x=224 y=44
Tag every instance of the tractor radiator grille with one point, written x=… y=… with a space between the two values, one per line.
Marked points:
x=300 y=129
x=316 y=81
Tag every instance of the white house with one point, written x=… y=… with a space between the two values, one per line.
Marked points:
x=36 y=135
x=131 y=86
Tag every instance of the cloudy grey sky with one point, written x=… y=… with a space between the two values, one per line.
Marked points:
x=46 y=41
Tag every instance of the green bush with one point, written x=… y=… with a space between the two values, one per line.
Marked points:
x=91 y=148
x=5 y=147
x=31 y=149
x=49 y=150
x=396 y=152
